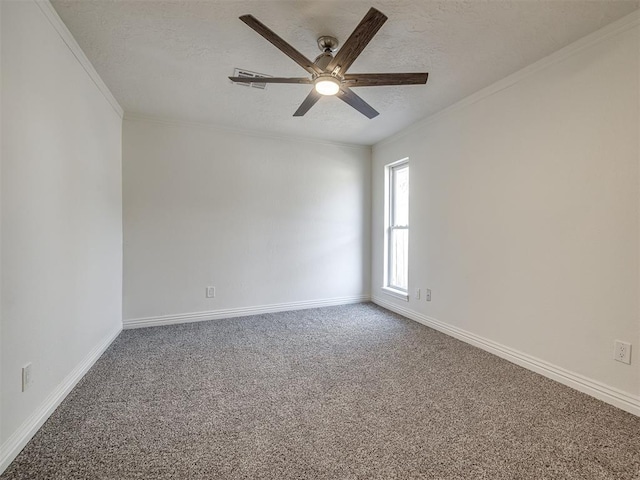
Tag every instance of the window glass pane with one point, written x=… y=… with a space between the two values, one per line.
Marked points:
x=401 y=196
x=397 y=227
x=399 y=274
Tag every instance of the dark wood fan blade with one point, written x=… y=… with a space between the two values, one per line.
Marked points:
x=280 y=44
x=381 y=79
x=308 y=102
x=361 y=36
x=348 y=96
x=269 y=80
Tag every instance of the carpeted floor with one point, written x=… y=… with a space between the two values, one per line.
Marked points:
x=352 y=392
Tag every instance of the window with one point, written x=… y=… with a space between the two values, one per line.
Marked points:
x=396 y=279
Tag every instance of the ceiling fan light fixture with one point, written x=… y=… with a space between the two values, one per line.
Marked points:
x=329 y=73
x=327 y=85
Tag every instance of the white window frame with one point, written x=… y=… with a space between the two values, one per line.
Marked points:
x=389 y=172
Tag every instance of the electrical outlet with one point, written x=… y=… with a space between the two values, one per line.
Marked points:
x=428 y=295
x=211 y=292
x=417 y=294
x=622 y=352
x=27 y=378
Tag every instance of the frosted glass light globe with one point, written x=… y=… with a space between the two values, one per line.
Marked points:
x=327 y=86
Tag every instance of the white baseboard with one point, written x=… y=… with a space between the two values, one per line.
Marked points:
x=240 y=312
x=607 y=394
x=16 y=442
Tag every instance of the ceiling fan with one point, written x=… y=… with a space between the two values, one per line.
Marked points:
x=329 y=73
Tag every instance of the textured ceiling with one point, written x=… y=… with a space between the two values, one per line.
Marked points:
x=171 y=59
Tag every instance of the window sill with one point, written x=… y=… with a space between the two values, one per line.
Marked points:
x=396 y=293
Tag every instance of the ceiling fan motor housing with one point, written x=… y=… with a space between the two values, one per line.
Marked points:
x=327 y=45
x=323 y=60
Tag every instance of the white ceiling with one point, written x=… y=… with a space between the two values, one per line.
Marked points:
x=171 y=59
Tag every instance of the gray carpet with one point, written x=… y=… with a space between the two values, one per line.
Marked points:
x=352 y=392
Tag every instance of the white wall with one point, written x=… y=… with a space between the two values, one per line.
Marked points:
x=61 y=218
x=265 y=220
x=525 y=213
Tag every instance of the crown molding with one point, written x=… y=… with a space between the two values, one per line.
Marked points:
x=66 y=36
x=141 y=117
x=615 y=28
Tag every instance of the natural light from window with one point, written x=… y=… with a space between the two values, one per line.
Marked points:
x=397 y=228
